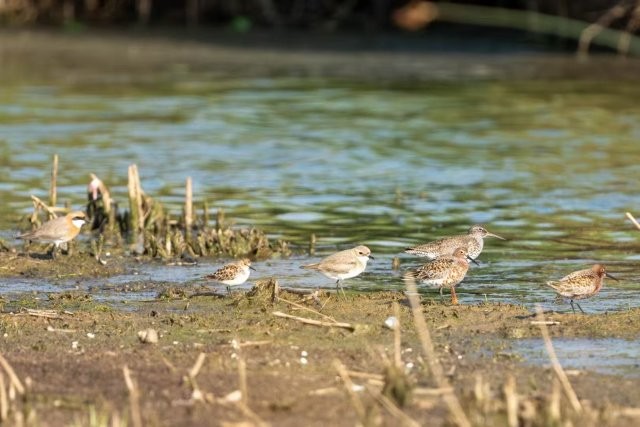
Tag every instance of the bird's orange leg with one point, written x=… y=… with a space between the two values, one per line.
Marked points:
x=454 y=297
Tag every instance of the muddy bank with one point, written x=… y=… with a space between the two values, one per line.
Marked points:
x=97 y=56
x=74 y=355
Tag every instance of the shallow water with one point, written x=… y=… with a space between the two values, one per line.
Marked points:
x=605 y=356
x=549 y=165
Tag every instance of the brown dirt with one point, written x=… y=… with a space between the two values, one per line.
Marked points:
x=67 y=383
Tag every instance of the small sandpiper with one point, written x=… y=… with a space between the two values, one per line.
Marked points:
x=473 y=241
x=235 y=273
x=581 y=284
x=446 y=271
x=343 y=265
x=57 y=231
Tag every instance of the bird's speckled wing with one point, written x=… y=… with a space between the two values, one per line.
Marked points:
x=434 y=270
x=227 y=272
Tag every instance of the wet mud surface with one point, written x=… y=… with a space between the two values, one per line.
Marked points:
x=70 y=350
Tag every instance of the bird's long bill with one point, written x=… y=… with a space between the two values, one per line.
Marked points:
x=251 y=268
x=611 y=277
x=495 y=235
x=473 y=260
x=371 y=257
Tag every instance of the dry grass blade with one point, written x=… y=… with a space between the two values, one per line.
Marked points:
x=302 y=307
x=633 y=220
x=134 y=401
x=395 y=412
x=511 y=398
x=348 y=385
x=197 y=366
x=4 y=402
x=557 y=367
x=397 y=340
x=15 y=381
x=53 y=194
x=451 y=400
x=315 y=322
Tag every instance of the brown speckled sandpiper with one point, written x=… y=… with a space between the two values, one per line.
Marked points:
x=581 y=284
x=235 y=273
x=446 y=271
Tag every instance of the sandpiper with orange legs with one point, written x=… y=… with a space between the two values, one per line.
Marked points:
x=445 y=271
x=581 y=284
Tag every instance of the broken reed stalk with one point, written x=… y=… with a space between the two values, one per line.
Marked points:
x=348 y=385
x=196 y=393
x=302 y=307
x=633 y=220
x=136 y=217
x=53 y=192
x=13 y=378
x=511 y=399
x=4 y=402
x=450 y=399
x=535 y=22
x=51 y=210
x=392 y=408
x=315 y=322
x=397 y=343
x=557 y=367
x=188 y=209
x=242 y=379
x=134 y=398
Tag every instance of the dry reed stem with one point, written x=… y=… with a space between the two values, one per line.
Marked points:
x=302 y=307
x=544 y=322
x=188 y=207
x=348 y=385
x=557 y=367
x=51 y=210
x=13 y=378
x=134 y=401
x=633 y=220
x=511 y=399
x=314 y=322
x=53 y=192
x=591 y=31
x=394 y=411
x=4 y=402
x=451 y=400
x=47 y=314
x=397 y=340
x=197 y=366
x=250 y=414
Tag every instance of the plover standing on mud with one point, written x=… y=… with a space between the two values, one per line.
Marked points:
x=343 y=265
x=581 y=284
x=57 y=231
x=235 y=273
x=445 y=271
x=473 y=241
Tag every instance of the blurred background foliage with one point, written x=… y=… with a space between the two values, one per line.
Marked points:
x=328 y=15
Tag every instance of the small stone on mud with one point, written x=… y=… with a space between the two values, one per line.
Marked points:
x=148 y=336
x=391 y=322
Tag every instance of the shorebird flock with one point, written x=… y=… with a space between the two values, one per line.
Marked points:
x=448 y=263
